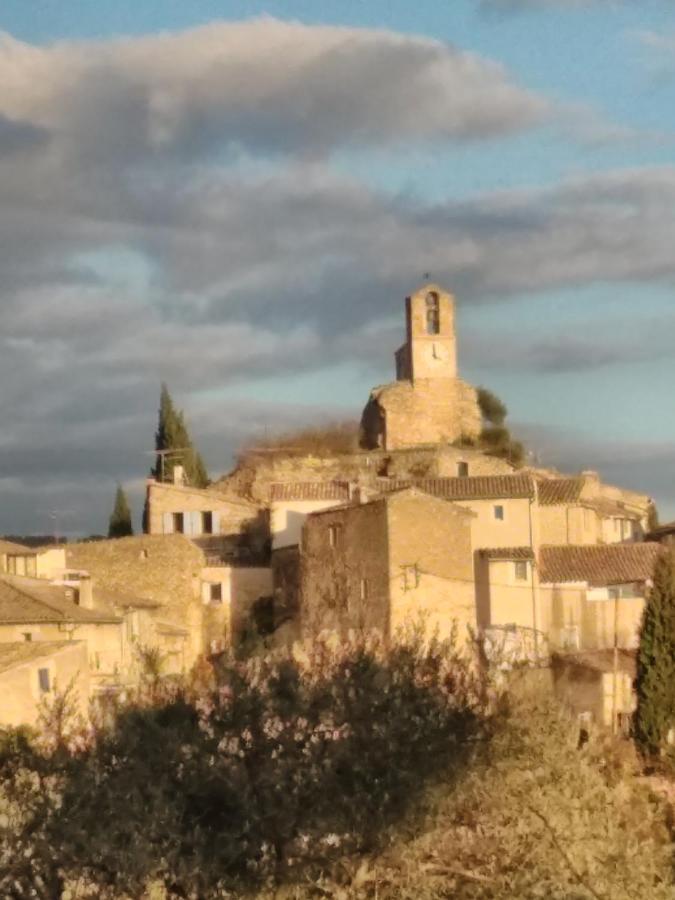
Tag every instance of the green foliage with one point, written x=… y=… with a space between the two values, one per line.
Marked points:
x=655 y=713
x=172 y=434
x=296 y=779
x=119 y=524
x=652 y=516
x=535 y=818
x=497 y=441
x=282 y=768
x=492 y=408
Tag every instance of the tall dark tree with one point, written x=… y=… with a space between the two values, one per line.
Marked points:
x=119 y=524
x=491 y=407
x=172 y=435
x=655 y=714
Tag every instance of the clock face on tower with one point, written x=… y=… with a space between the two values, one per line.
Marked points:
x=438 y=353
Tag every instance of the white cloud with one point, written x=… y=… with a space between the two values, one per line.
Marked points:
x=263 y=85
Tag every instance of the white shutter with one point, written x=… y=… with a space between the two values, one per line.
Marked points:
x=195 y=523
x=167 y=523
x=206 y=592
x=215 y=521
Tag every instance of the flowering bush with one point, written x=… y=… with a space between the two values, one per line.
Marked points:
x=274 y=768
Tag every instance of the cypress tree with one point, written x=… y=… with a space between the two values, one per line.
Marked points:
x=172 y=434
x=119 y=524
x=655 y=714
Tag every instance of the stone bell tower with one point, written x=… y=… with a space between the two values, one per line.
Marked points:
x=430 y=350
x=427 y=404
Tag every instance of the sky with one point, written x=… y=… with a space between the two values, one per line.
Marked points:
x=235 y=198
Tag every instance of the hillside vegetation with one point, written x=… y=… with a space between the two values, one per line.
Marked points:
x=355 y=771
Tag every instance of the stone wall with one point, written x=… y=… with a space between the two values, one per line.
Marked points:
x=430 y=411
x=20 y=687
x=230 y=620
x=232 y=516
x=163 y=568
x=341 y=550
x=431 y=579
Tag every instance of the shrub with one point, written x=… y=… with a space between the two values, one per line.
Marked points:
x=280 y=768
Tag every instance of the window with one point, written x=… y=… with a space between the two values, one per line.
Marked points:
x=411 y=578
x=521 y=570
x=22 y=565
x=178 y=523
x=216 y=593
x=433 y=313
x=335 y=535
x=462 y=469
x=27 y=635
x=207 y=523
x=364 y=589
x=498 y=512
x=43 y=681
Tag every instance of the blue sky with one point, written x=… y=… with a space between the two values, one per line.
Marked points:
x=236 y=198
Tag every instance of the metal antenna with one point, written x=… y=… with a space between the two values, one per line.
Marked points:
x=165 y=453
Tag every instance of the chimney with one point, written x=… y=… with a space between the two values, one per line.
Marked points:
x=85 y=593
x=178 y=475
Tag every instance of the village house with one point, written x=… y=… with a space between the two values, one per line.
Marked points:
x=403 y=558
x=32 y=610
x=43 y=562
x=32 y=672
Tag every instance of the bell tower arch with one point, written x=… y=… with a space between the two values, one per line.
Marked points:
x=431 y=345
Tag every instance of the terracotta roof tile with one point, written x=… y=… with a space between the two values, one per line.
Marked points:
x=16 y=653
x=479 y=487
x=310 y=490
x=27 y=600
x=507 y=553
x=559 y=491
x=598 y=564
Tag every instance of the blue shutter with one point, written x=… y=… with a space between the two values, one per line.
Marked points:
x=167 y=523
x=215 y=521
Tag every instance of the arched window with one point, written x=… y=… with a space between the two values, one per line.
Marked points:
x=433 y=313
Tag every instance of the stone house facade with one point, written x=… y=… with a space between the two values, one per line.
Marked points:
x=403 y=558
x=30 y=673
x=428 y=403
x=34 y=611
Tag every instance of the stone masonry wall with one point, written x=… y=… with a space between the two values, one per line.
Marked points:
x=164 y=568
x=333 y=595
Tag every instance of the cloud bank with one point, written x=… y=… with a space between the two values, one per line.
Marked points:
x=170 y=209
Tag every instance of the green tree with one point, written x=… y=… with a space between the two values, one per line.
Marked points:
x=652 y=516
x=119 y=524
x=491 y=407
x=655 y=713
x=172 y=435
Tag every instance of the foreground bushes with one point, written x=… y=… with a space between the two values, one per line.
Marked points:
x=275 y=769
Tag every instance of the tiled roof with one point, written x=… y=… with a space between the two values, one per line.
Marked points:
x=18 y=652
x=598 y=564
x=507 y=553
x=559 y=491
x=311 y=490
x=28 y=600
x=479 y=487
x=608 y=507
x=11 y=547
x=599 y=660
